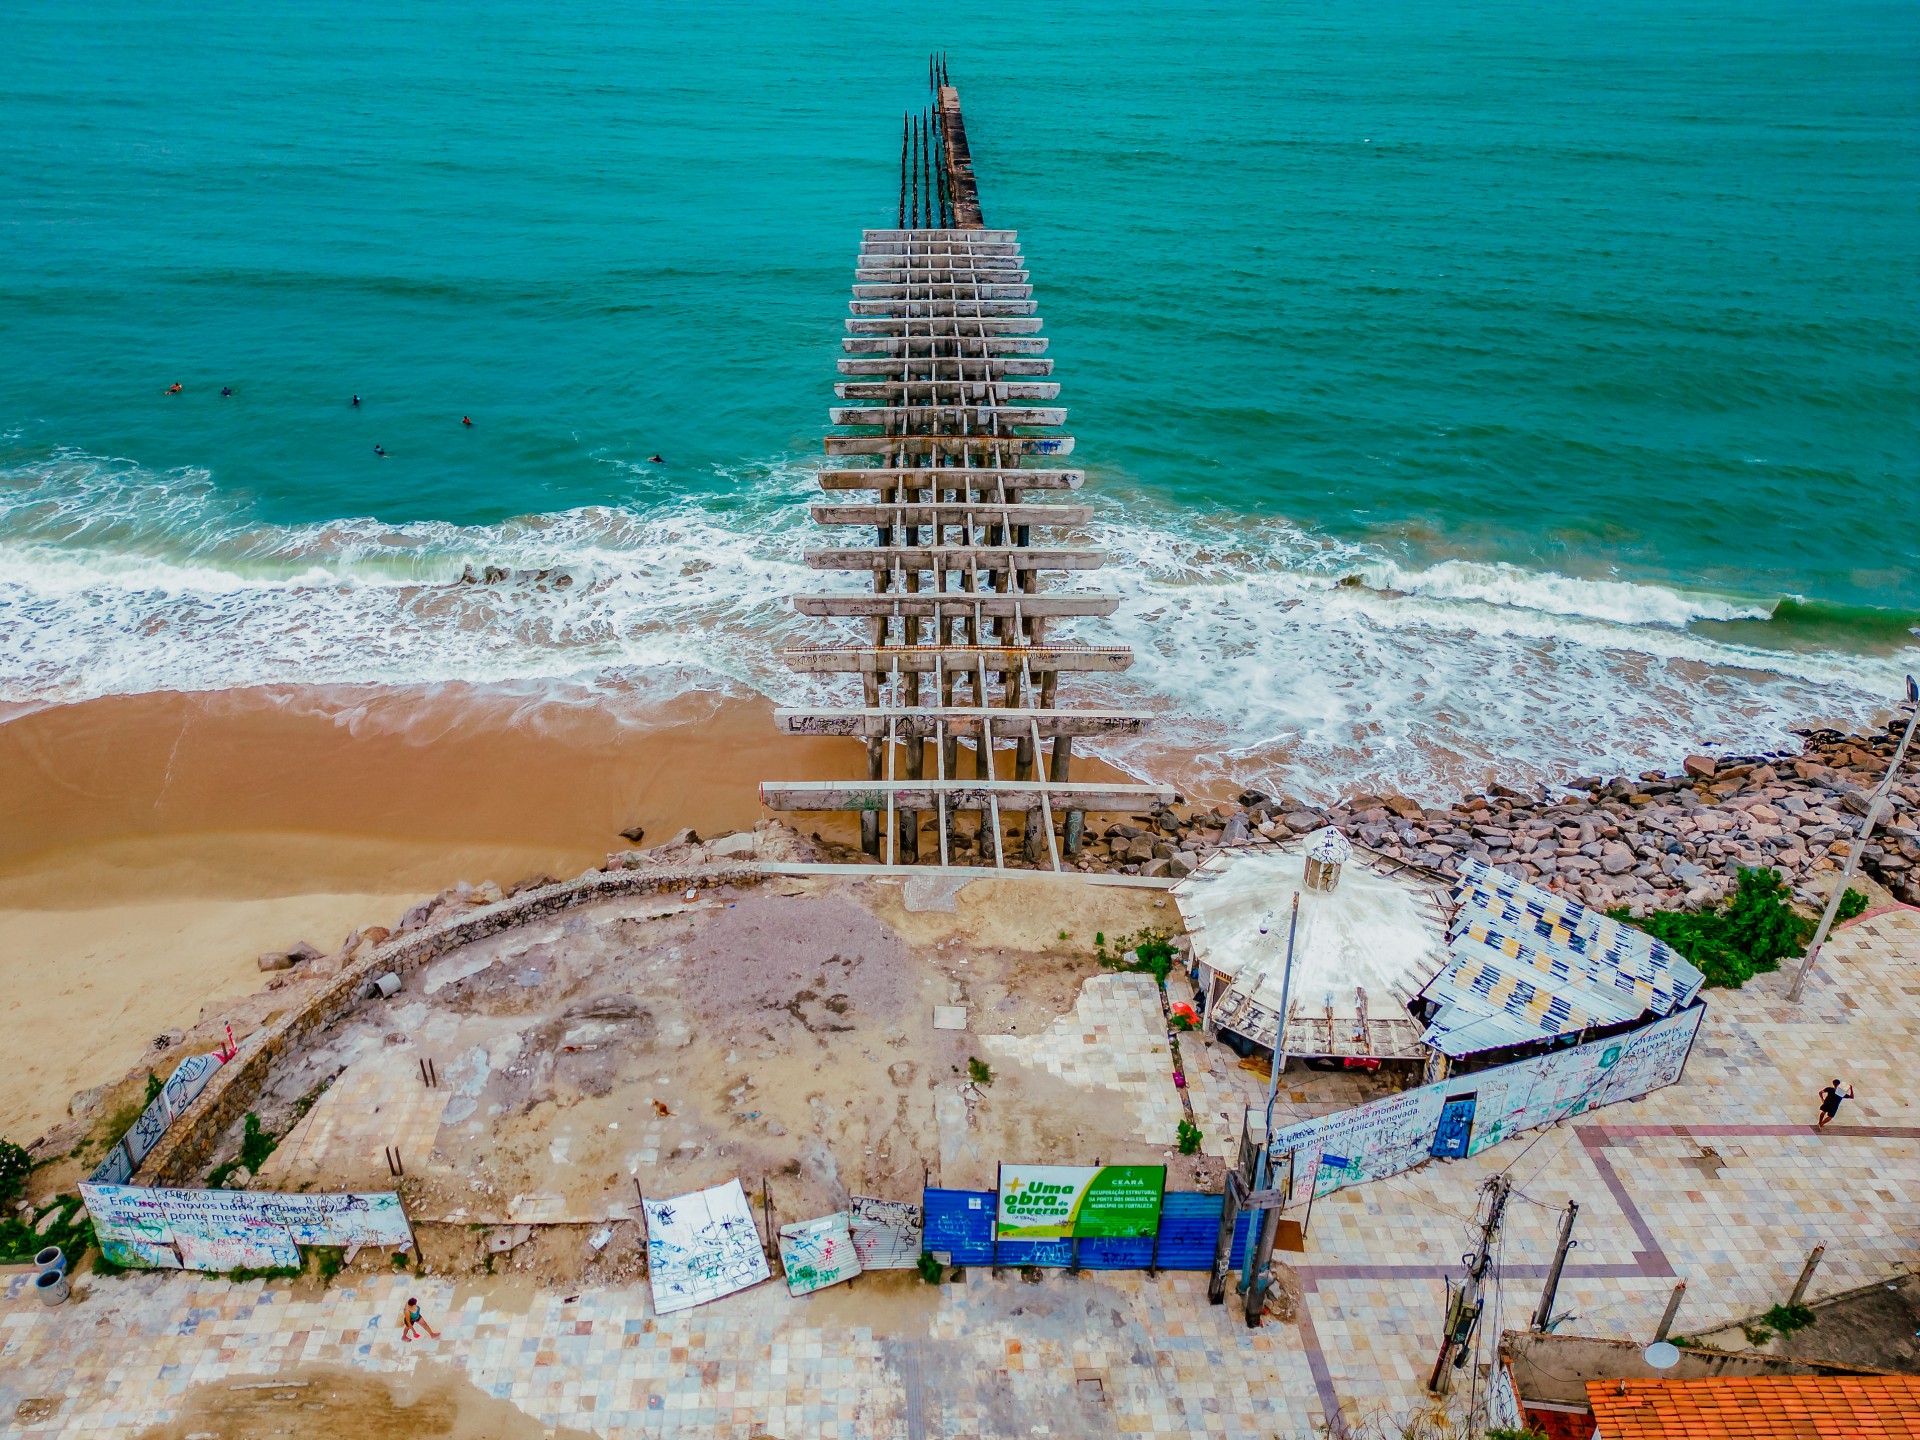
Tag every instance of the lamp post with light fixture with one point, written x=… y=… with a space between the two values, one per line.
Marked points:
x=1859 y=844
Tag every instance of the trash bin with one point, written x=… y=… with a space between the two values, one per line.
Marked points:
x=50 y=1286
x=51 y=1258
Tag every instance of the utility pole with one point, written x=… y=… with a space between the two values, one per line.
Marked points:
x=1543 y=1317
x=1260 y=1238
x=1859 y=844
x=1463 y=1310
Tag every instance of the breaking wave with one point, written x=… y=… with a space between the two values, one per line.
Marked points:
x=1279 y=655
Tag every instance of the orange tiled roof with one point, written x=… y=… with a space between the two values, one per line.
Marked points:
x=1758 y=1407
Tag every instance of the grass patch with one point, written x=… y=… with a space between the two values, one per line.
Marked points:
x=255 y=1143
x=1146 y=952
x=979 y=1072
x=73 y=1233
x=1787 y=1318
x=1749 y=935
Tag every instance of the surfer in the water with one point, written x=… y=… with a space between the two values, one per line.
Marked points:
x=174 y=388
x=467 y=420
x=380 y=451
x=655 y=460
x=356 y=402
x=225 y=390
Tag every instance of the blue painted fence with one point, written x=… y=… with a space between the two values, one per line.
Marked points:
x=960 y=1223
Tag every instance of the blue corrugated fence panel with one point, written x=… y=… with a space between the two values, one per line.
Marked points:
x=960 y=1222
x=1055 y=1253
x=1189 y=1228
x=1117 y=1254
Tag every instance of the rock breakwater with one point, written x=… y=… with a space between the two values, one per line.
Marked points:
x=1656 y=841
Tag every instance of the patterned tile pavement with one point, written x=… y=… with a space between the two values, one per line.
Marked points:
x=1116 y=1036
x=1722 y=1180
x=378 y=1100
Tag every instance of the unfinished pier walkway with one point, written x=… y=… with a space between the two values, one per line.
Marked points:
x=947 y=454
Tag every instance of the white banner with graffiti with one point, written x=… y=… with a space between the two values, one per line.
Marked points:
x=887 y=1234
x=1463 y=1115
x=702 y=1246
x=222 y=1230
x=818 y=1253
x=189 y=1078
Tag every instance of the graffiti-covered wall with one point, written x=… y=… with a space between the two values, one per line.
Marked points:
x=221 y=1230
x=1464 y=1115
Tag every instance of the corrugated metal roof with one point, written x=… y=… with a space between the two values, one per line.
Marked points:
x=1526 y=965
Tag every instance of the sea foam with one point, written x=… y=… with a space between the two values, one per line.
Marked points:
x=1279 y=656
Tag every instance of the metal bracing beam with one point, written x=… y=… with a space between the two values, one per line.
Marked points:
x=954 y=557
x=965 y=512
x=876 y=795
x=948 y=346
x=961 y=604
x=960 y=390
x=998 y=445
x=947 y=367
x=985 y=478
x=944 y=289
x=949 y=326
x=922 y=659
x=952 y=414
x=998 y=270
x=961 y=721
x=969 y=233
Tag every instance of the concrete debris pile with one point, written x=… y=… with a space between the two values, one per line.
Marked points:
x=1655 y=842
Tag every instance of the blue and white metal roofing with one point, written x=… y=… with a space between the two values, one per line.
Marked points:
x=1527 y=965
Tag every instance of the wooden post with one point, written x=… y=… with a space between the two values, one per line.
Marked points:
x=1673 y=1309
x=1260 y=1241
x=1806 y=1276
x=1223 y=1242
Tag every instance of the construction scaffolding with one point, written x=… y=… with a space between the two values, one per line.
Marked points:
x=948 y=429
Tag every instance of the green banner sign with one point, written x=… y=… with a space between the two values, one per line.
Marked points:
x=1058 y=1202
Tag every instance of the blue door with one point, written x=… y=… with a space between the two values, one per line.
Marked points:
x=1456 y=1127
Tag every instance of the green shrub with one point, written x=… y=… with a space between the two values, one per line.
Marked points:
x=1787 y=1318
x=15 y=1166
x=1152 y=950
x=154 y=1087
x=1749 y=935
x=1190 y=1137
x=1851 y=904
x=930 y=1268
x=979 y=1072
x=255 y=1144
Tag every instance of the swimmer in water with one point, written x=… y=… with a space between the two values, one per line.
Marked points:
x=467 y=420
x=225 y=390
x=380 y=452
x=174 y=389
x=655 y=460
x=356 y=402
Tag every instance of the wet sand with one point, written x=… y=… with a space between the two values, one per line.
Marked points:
x=152 y=845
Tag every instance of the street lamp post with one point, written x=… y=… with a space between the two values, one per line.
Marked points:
x=1859 y=844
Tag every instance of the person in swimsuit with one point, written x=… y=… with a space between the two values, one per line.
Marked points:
x=1830 y=1099
x=225 y=391
x=411 y=1320
x=356 y=402
x=380 y=450
x=467 y=420
x=174 y=388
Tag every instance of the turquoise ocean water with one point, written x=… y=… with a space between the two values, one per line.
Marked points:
x=1582 y=338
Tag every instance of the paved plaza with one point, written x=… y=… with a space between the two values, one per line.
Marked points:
x=1721 y=1180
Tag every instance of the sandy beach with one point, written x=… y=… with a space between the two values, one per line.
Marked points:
x=151 y=846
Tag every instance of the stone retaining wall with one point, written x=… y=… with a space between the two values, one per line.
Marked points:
x=186 y=1151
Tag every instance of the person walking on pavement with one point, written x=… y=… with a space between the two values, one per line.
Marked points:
x=412 y=1320
x=1830 y=1099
